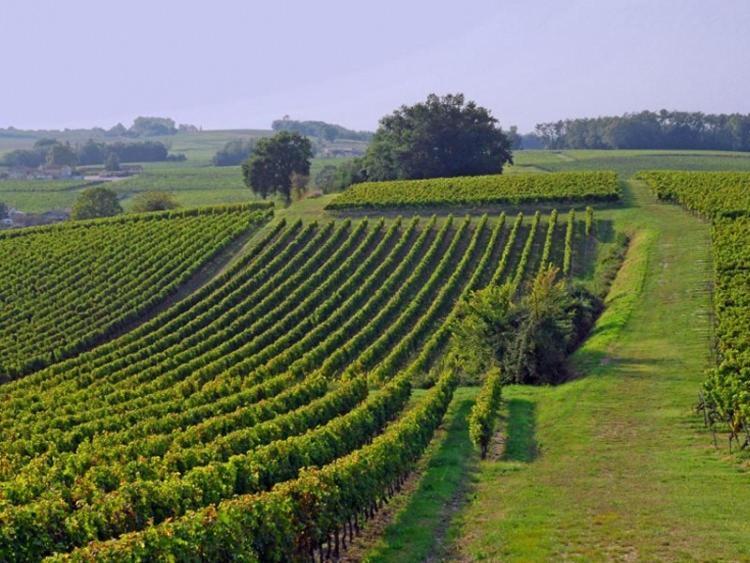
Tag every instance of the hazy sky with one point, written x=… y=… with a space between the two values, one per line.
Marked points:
x=233 y=63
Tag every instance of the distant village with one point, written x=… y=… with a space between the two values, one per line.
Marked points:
x=89 y=175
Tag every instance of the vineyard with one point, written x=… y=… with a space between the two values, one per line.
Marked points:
x=269 y=414
x=707 y=193
x=66 y=287
x=564 y=187
x=724 y=196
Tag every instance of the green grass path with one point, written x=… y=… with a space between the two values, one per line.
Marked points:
x=616 y=465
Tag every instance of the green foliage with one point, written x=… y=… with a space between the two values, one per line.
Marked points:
x=481 y=331
x=297 y=518
x=23 y=158
x=61 y=155
x=273 y=163
x=234 y=153
x=94 y=203
x=441 y=137
x=722 y=196
x=320 y=129
x=526 y=188
x=569 y=232
x=154 y=201
x=649 y=130
x=93 y=152
x=214 y=413
x=589 y=228
x=153 y=126
x=53 y=310
x=325 y=178
x=707 y=193
x=530 y=337
x=484 y=412
x=348 y=173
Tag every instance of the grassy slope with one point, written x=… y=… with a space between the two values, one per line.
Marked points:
x=621 y=466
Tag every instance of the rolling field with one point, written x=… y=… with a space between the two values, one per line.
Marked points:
x=274 y=412
x=300 y=354
x=627 y=162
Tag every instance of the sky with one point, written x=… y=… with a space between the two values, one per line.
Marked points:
x=242 y=64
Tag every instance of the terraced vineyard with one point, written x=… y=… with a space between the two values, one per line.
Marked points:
x=568 y=187
x=725 y=197
x=194 y=435
x=66 y=287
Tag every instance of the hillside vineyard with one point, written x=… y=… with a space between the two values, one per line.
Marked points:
x=302 y=354
x=64 y=288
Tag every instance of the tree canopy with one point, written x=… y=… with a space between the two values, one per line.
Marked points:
x=94 y=203
x=275 y=160
x=91 y=152
x=529 y=337
x=441 y=137
x=61 y=155
x=154 y=201
x=152 y=126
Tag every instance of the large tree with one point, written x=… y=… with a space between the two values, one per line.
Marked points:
x=443 y=136
x=96 y=202
x=273 y=163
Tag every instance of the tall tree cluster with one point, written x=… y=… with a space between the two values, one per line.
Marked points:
x=441 y=137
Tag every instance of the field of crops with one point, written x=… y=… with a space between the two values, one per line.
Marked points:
x=67 y=286
x=707 y=193
x=724 y=196
x=569 y=187
x=193 y=435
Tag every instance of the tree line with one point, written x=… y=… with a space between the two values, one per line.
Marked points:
x=647 y=130
x=54 y=153
x=141 y=127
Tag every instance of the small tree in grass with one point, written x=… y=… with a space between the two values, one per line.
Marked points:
x=154 y=201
